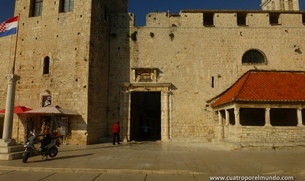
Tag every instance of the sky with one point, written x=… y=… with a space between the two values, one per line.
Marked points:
x=141 y=7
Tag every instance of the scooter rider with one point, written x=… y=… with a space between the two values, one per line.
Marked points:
x=45 y=141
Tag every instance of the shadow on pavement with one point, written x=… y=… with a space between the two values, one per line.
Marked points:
x=60 y=158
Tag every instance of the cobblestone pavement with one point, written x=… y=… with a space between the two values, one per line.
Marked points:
x=151 y=161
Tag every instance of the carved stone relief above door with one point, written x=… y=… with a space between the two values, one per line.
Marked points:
x=145 y=74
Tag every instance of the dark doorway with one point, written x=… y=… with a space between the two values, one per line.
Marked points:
x=145 y=121
x=1 y=125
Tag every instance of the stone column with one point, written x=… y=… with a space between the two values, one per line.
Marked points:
x=9 y=110
x=165 y=116
x=267 y=117
x=300 y=119
x=220 y=126
x=227 y=117
x=124 y=115
x=236 y=114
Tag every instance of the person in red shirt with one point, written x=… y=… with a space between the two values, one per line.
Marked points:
x=116 y=132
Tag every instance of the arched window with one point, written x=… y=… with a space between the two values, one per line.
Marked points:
x=46 y=65
x=254 y=57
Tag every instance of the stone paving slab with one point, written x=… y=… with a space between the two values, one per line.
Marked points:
x=170 y=177
x=119 y=177
x=72 y=176
x=155 y=159
x=24 y=176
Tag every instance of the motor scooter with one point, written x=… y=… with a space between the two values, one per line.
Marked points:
x=48 y=147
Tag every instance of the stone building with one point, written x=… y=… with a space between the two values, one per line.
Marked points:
x=288 y=5
x=186 y=60
x=62 y=54
x=161 y=80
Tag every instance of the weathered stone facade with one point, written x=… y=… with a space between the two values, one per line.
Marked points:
x=288 y=5
x=98 y=62
x=75 y=44
x=200 y=61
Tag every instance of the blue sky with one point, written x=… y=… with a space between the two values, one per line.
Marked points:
x=141 y=7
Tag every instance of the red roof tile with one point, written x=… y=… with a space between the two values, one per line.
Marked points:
x=266 y=86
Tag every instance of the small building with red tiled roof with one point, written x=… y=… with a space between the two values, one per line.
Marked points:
x=263 y=108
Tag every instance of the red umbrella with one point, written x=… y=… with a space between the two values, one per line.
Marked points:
x=17 y=110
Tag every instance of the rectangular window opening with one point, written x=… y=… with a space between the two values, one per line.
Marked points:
x=66 y=6
x=241 y=19
x=106 y=14
x=252 y=116
x=283 y=117
x=208 y=19
x=274 y=18
x=36 y=8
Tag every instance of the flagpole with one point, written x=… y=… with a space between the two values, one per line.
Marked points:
x=15 y=54
x=10 y=99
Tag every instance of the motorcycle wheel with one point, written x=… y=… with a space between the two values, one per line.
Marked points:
x=53 y=152
x=25 y=157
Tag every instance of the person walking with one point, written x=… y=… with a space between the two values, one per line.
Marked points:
x=116 y=132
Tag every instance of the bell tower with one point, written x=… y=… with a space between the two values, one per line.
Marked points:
x=280 y=5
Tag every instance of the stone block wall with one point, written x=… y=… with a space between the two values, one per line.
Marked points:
x=93 y=49
x=58 y=36
x=201 y=62
x=98 y=70
x=261 y=136
x=79 y=57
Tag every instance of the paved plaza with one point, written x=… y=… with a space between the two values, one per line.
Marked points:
x=152 y=161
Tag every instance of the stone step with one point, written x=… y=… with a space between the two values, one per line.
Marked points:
x=11 y=156
x=9 y=149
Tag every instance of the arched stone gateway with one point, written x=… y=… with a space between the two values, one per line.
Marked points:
x=139 y=104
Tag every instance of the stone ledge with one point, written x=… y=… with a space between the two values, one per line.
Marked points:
x=263 y=146
x=9 y=142
x=10 y=149
x=11 y=156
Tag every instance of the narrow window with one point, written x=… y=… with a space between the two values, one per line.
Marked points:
x=213 y=81
x=303 y=18
x=274 y=18
x=254 y=57
x=36 y=8
x=106 y=14
x=231 y=117
x=46 y=65
x=66 y=6
x=241 y=19
x=208 y=19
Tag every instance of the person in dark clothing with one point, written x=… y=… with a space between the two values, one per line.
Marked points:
x=116 y=132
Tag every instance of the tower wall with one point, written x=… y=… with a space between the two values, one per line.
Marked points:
x=283 y=5
x=77 y=44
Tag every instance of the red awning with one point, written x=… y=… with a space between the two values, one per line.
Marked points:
x=17 y=110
